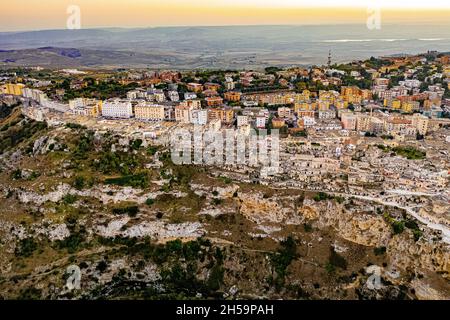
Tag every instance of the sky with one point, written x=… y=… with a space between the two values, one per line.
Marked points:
x=19 y=15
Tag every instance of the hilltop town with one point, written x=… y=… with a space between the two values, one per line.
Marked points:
x=362 y=187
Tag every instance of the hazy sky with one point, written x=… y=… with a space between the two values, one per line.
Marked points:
x=52 y=14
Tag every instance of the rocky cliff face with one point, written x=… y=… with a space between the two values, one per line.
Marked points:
x=367 y=229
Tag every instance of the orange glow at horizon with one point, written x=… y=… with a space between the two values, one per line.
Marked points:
x=51 y=14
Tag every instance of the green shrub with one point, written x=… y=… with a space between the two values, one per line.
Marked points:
x=151 y=150
x=321 y=196
x=132 y=210
x=284 y=256
x=26 y=247
x=336 y=260
x=69 y=199
x=74 y=126
x=307 y=227
x=215 y=279
x=139 y=180
x=79 y=183
x=379 y=251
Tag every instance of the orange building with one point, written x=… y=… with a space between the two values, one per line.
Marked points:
x=234 y=96
x=196 y=87
x=278 y=123
x=212 y=86
x=223 y=114
x=214 y=101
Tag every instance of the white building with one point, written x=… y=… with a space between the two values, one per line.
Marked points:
x=173 y=96
x=117 y=108
x=327 y=114
x=308 y=121
x=190 y=95
x=242 y=121
x=260 y=122
x=199 y=116
x=159 y=95
x=215 y=125
x=34 y=94
x=230 y=85
x=410 y=83
x=137 y=94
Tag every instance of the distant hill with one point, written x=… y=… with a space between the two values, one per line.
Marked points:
x=53 y=57
x=216 y=47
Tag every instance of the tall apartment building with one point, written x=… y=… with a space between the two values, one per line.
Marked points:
x=13 y=89
x=327 y=114
x=182 y=113
x=230 y=85
x=117 y=108
x=34 y=94
x=410 y=106
x=173 y=96
x=348 y=121
x=137 y=94
x=149 y=111
x=363 y=123
x=420 y=122
x=159 y=95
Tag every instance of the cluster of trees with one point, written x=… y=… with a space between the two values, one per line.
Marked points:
x=398 y=226
x=322 y=196
x=117 y=162
x=282 y=259
x=96 y=89
x=408 y=152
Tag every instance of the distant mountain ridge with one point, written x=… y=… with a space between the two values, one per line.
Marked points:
x=220 y=47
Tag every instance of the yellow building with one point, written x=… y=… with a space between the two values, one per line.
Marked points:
x=341 y=104
x=394 y=104
x=352 y=90
x=224 y=115
x=305 y=95
x=14 y=89
x=324 y=105
x=410 y=106
x=86 y=107
x=278 y=123
x=447 y=71
x=305 y=106
x=151 y=112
